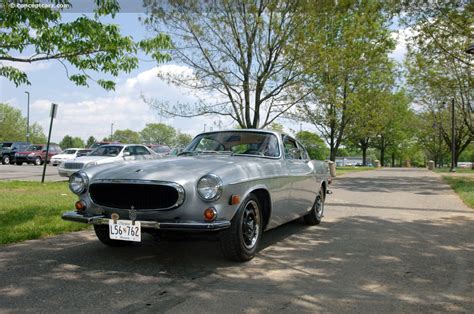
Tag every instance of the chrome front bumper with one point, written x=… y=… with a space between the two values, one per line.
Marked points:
x=164 y=225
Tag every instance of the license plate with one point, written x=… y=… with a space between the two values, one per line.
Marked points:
x=124 y=230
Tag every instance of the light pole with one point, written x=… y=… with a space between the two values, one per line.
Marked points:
x=453 y=139
x=111 y=131
x=28 y=118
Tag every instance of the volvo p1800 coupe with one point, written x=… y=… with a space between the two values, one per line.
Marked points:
x=229 y=184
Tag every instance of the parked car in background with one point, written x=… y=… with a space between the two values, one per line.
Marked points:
x=231 y=185
x=36 y=154
x=9 y=149
x=69 y=153
x=106 y=154
x=161 y=150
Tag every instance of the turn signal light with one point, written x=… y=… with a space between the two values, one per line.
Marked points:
x=80 y=205
x=234 y=200
x=210 y=214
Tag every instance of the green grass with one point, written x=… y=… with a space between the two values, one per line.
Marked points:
x=458 y=170
x=343 y=170
x=31 y=210
x=463 y=186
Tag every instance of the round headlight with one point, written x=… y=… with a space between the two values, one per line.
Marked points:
x=78 y=182
x=209 y=187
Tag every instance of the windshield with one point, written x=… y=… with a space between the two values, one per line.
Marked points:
x=107 y=151
x=69 y=151
x=32 y=148
x=7 y=145
x=236 y=143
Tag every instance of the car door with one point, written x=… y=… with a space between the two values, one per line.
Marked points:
x=301 y=173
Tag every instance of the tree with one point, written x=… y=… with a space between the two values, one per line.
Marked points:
x=314 y=144
x=439 y=72
x=35 y=33
x=346 y=43
x=91 y=140
x=159 y=133
x=13 y=126
x=127 y=136
x=243 y=55
x=183 y=139
x=68 y=142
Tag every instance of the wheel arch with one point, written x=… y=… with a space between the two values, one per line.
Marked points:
x=264 y=199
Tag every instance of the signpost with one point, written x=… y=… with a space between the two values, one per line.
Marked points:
x=52 y=114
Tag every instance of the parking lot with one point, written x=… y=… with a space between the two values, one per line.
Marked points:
x=29 y=173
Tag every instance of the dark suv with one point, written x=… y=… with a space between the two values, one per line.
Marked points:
x=8 y=150
x=36 y=154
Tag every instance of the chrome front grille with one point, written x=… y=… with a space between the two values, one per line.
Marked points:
x=73 y=165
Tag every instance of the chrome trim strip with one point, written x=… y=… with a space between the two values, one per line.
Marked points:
x=178 y=187
x=166 y=225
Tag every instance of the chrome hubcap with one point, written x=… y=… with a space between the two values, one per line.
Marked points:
x=250 y=224
x=319 y=206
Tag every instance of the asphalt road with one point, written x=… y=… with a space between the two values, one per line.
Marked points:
x=391 y=241
x=29 y=173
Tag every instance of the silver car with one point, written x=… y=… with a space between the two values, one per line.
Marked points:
x=229 y=184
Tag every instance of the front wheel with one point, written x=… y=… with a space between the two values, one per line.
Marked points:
x=315 y=215
x=6 y=160
x=240 y=241
x=102 y=233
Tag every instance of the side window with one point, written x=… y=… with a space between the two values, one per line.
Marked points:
x=140 y=150
x=304 y=154
x=291 y=148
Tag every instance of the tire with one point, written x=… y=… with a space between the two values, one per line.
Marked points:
x=102 y=233
x=240 y=242
x=6 y=160
x=315 y=215
x=19 y=163
x=38 y=161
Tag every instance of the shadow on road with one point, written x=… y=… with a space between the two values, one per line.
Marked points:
x=395 y=266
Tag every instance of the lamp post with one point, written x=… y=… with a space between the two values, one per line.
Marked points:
x=453 y=139
x=28 y=118
x=111 y=131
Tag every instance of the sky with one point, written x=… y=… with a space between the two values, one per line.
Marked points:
x=86 y=111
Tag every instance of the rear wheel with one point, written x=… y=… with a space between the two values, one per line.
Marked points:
x=38 y=161
x=19 y=163
x=102 y=233
x=240 y=241
x=6 y=160
x=315 y=215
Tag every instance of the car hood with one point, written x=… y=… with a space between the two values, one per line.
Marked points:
x=183 y=169
x=63 y=156
x=96 y=159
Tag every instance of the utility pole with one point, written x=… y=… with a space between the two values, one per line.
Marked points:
x=54 y=110
x=111 y=131
x=453 y=139
x=28 y=118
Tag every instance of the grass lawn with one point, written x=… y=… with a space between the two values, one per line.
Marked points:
x=342 y=170
x=463 y=186
x=30 y=210
x=458 y=170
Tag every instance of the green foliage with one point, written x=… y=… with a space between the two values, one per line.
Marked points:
x=183 y=139
x=70 y=142
x=277 y=127
x=13 y=126
x=91 y=140
x=159 y=133
x=346 y=64
x=464 y=186
x=86 y=44
x=315 y=146
x=127 y=136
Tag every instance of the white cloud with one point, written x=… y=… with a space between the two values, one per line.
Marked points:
x=124 y=108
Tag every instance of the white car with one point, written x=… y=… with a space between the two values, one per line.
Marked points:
x=68 y=154
x=106 y=154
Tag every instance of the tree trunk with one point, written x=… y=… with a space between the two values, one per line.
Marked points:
x=364 y=156
x=393 y=160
